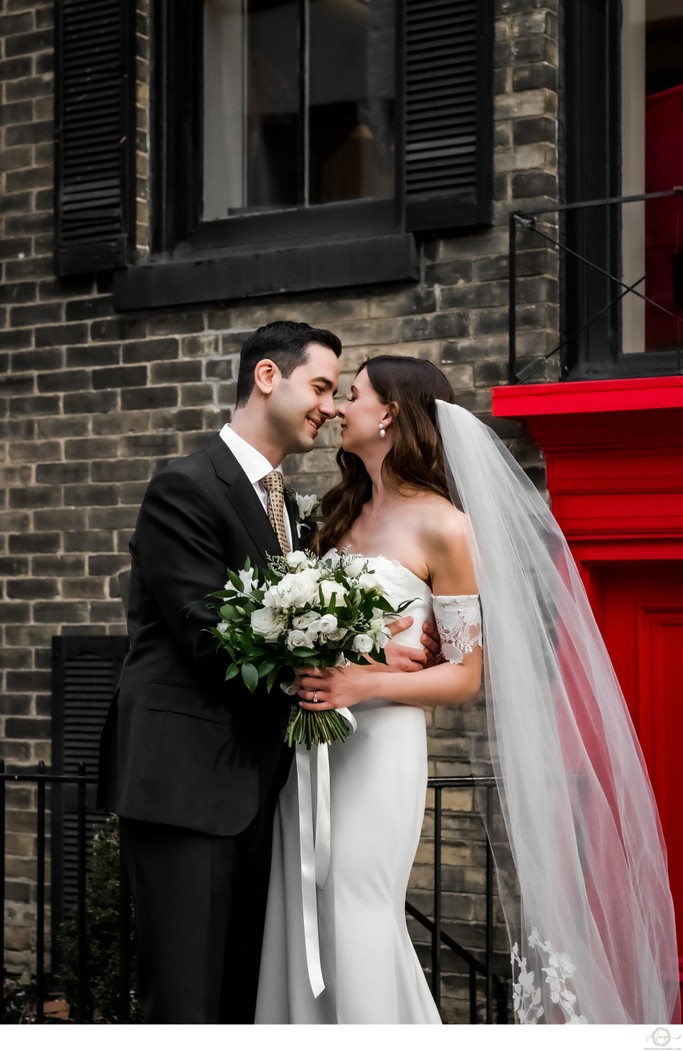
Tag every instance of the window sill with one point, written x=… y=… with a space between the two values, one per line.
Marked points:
x=243 y=273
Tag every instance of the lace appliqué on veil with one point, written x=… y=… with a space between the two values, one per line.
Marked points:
x=458 y=619
x=527 y=995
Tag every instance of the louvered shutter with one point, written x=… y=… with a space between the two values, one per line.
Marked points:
x=448 y=160
x=94 y=133
x=85 y=672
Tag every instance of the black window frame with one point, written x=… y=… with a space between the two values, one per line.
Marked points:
x=592 y=145
x=444 y=171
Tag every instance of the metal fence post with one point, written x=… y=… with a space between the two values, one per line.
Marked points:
x=40 y=904
x=436 y=934
x=2 y=866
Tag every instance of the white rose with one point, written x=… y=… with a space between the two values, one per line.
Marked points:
x=327 y=624
x=272 y=598
x=332 y=588
x=296 y=589
x=295 y=559
x=265 y=623
x=336 y=635
x=305 y=620
x=362 y=644
x=296 y=638
x=367 y=580
x=308 y=506
x=354 y=567
x=323 y=625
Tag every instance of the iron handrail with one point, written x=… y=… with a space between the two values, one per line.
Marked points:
x=527 y=220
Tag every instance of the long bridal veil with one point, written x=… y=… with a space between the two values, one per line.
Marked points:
x=592 y=929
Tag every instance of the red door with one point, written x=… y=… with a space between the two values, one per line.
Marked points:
x=614 y=457
x=639 y=608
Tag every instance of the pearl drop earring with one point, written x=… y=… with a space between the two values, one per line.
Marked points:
x=382 y=432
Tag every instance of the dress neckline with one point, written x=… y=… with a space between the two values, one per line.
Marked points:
x=391 y=562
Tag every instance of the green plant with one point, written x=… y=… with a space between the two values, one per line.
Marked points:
x=102 y=950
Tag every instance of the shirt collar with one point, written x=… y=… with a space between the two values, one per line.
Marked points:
x=253 y=463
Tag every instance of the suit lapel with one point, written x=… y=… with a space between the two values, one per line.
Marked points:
x=293 y=522
x=242 y=497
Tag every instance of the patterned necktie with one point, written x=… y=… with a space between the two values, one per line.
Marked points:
x=275 y=486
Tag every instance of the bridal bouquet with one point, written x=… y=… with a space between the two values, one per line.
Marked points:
x=302 y=611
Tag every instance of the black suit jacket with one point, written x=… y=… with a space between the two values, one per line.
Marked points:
x=180 y=746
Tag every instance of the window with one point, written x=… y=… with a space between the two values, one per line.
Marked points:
x=623 y=101
x=302 y=144
x=299 y=106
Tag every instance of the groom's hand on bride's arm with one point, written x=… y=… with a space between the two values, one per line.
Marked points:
x=402 y=658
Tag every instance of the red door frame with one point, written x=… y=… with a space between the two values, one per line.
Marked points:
x=614 y=468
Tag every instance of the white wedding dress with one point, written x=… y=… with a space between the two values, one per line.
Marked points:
x=378 y=781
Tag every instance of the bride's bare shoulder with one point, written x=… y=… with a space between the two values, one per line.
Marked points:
x=446 y=526
x=439 y=514
x=445 y=535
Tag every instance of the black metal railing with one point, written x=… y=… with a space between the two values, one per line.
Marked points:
x=480 y=971
x=602 y=273
x=42 y=986
x=496 y=992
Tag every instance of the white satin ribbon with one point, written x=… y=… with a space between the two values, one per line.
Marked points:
x=315 y=843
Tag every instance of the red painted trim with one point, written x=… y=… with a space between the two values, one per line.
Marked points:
x=600 y=415
x=592 y=396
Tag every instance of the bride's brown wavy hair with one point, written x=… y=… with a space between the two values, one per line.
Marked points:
x=414 y=461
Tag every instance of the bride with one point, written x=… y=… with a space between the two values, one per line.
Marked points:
x=591 y=922
x=392 y=505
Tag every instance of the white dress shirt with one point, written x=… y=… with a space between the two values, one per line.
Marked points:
x=255 y=466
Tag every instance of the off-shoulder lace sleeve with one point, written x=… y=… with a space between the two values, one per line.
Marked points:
x=458 y=619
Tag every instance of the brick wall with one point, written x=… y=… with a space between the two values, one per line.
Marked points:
x=93 y=401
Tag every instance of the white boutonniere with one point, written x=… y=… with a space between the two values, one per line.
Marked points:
x=307 y=508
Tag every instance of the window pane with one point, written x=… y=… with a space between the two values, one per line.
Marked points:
x=352 y=96
x=664 y=171
x=299 y=100
x=273 y=103
x=652 y=162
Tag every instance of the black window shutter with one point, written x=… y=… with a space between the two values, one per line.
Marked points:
x=448 y=110
x=94 y=133
x=85 y=672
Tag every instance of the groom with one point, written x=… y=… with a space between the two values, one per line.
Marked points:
x=190 y=764
x=193 y=765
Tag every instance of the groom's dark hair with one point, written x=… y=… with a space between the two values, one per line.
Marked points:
x=285 y=343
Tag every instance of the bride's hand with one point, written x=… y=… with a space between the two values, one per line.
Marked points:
x=335 y=688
